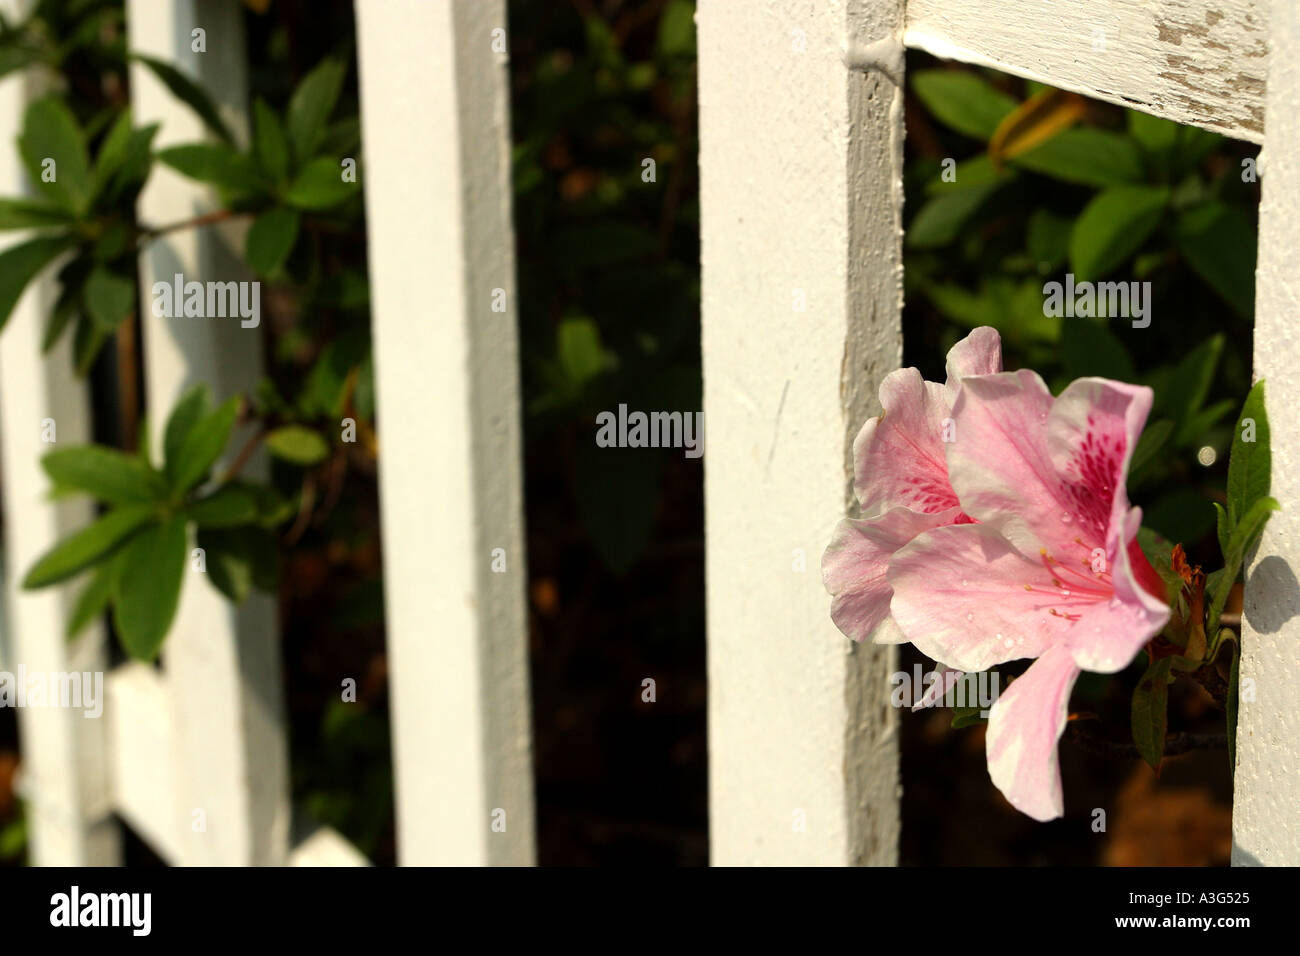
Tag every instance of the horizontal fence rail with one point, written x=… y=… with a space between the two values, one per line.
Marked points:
x=1197 y=62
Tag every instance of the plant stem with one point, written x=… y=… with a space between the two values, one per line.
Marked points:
x=245 y=453
x=207 y=219
x=1175 y=744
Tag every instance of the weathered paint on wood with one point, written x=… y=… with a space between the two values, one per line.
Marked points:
x=801 y=206
x=1200 y=62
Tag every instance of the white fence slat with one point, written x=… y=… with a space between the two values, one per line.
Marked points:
x=1199 y=62
x=325 y=847
x=143 y=747
x=801 y=199
x=63 y=759
x=222 y=663
x=435 y=115
x=1266 y=798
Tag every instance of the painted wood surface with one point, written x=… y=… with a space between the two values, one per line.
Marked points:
x=437 y=185
x=222 y=663
x=800 y=161
x=64 y=766
x=1266 y=797
x=1200 y=62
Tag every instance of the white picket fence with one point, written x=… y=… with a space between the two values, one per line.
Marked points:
x=801 y=157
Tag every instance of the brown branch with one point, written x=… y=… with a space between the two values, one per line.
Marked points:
x=1175 y=744
x=244 y=455
x=207 y=219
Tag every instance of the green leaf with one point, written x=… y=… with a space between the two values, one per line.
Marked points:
x=1047 y=238
x=202 y=446
x=270 y=240
x=677 y=30
x=272 y=508
x=1195 y=427
x=239 y=559
x=136 y=163
x=311 y=105
x=20 y=264
x=65 y=309
x=617 y=489
x=50 y=132
x=1180 y=513
x=963 y=101
x=110 y=475
x=147 y=587
x=109 y=298
x=1156 y=135
x=941 y=219
x=1150 y=712
x=320 y=185
x=92 y=601
x=967 y=717
x=1223 y=528
x=1112 y=227
x=88 y=339
x=1184 y=391
x=269 y=143
x=187 y=413
x=217 y=164
x=112 y=153
x=1085 y=156
x=32 y=214
x=189 y=92
x=1250 y=462
x=1153 y=439
x=1090 y=348
x=1218 y=242
x=298 y=445
x=1159 y=552
x=1244 y=536
x=581 y=355
x=227 y=507
x=93 y=542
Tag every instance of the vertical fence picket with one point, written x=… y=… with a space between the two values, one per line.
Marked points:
x=1266 y=800
x=222 y=663
x=64 y=768
x=800 y=162
x=435 y=115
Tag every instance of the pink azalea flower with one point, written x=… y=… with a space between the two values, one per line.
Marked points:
x=901 y=483
x=1050 y=569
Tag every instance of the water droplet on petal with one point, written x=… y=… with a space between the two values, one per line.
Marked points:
x=1115 y=602
x=970 y=617
x=965 y=583
x=1065 y=592
x=1067 y=517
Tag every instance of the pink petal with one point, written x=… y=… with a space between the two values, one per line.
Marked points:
x=979 y=353
x=938 y=690
x=1025 y=724
x=960 y=597
x=1048 y=474
x=854 y=566
x=1092 y=431
x=1000 y=465
x=899 y=457
x=1109 y=634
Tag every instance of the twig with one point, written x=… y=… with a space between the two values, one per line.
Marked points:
x=245 y=453
x=207 y=219
x=1175 y=744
